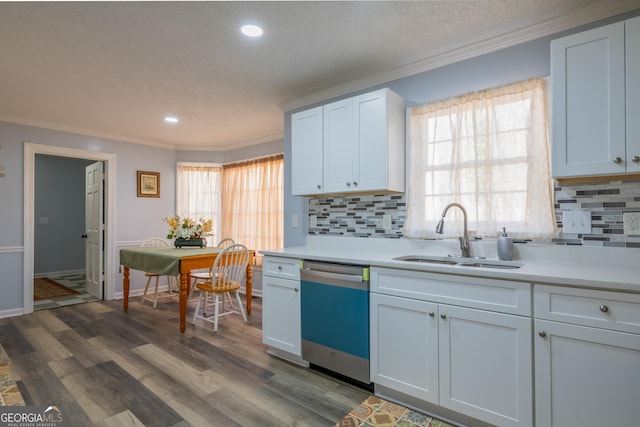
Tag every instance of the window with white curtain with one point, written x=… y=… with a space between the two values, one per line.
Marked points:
x=199 y=195
x=245 y=200
x=488 y=151
x=253 y=202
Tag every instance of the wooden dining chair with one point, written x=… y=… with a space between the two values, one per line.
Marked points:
x=227 y=273
x=204 y=275
x=155 y=242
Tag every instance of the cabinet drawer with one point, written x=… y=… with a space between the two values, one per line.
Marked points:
x=287 y=268
x=602 y=309
x=503 y=296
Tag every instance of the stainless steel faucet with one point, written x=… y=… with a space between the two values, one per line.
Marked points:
x=464 y=240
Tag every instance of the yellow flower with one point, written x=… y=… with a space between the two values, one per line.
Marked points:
x=188 y=228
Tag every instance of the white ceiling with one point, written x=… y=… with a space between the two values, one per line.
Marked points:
x=115 y=69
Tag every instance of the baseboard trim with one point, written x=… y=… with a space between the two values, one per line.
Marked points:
x=11 y=313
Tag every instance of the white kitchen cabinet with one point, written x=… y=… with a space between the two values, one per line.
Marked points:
x=431 y=341
x=281 y=321
x=587 y=357
x=364 y=143
x=404 y=337
x=595 y=130
x=355 y=145
x=306 y=152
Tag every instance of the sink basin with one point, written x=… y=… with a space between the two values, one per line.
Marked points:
x=463 y=262
x=492 y=264
x=427 y=259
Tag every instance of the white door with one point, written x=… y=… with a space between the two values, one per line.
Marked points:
x=94 y=227
x=338 y=146
x=306 y=152
x=281 y=314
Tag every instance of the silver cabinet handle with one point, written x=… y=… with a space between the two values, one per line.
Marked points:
x=443 y=316
x=295 y=289
x=355 y=183
x=542 y=334
x=604 y=308
x=319 y=186
x=635 y=159
x=280 y=268
x=617 y=160
x=348 y=184
x=431 y=314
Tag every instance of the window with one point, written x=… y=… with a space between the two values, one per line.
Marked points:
x=199 y=195
x=253 y=202
x=488 y=151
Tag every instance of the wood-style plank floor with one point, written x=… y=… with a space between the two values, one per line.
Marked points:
x=105 y=367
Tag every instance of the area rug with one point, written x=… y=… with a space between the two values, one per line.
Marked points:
x=376 y=412
x=9 y=392
x=45 y=288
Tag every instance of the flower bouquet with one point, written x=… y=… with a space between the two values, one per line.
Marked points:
x=187 y=231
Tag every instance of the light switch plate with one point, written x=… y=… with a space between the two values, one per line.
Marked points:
x=631 y=222
x=576 y=222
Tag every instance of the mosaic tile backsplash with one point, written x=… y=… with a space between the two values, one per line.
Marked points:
x=383 y=216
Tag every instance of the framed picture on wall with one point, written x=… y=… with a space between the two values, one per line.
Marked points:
x=148 y=184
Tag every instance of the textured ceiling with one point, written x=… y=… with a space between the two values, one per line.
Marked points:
x=115 y=69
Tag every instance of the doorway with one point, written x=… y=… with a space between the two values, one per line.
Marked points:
x=30 y=152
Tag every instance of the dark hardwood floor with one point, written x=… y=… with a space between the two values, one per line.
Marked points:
x=105 y=367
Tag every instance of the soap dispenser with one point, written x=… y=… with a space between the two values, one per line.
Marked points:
x=505 y=246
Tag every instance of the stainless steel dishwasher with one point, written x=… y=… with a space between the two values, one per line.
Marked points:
x=335 y=318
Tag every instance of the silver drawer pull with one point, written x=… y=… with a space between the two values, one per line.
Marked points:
x=635 y=159
x=604 y=308
x=431 y=314
x=542 y=334
x=617 y=160
x=443 y=316
x=280 y=267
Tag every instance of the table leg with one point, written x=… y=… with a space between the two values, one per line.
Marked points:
x=184 y=294
x=125 y=288
x=249 y=287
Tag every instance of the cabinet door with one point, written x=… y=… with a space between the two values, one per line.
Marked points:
x=379 y=123
x=338 y=146
x=281 y=314
x=404 y=337
x=586 y=376
x=632 y=32
x=306 y=152
x=486 y=365
x=588 y=96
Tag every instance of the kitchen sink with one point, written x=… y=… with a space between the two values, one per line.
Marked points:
x=426 y=259
x=462 y=262
x=492 y=264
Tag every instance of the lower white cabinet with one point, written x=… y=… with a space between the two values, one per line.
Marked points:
x=281 y=324
x=587 y=357
x=474 y=362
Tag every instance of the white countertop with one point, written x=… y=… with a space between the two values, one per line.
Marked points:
x=603 y=268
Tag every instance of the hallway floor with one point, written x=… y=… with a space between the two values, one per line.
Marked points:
x=73 y=281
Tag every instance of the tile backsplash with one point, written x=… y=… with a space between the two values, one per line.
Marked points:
x=383 y=216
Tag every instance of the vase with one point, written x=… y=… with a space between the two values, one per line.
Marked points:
x=192 y=242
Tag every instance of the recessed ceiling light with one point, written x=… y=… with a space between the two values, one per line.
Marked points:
x=251 y=30
x=171 y=119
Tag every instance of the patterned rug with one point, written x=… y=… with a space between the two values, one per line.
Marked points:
x=45 y=288
x=376 y=412
x=9 y=392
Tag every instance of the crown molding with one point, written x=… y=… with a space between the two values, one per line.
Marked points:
x=595 y=12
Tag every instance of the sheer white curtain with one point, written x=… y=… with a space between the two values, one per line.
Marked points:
x=488 y=151
x=199 y=195
x=253 y=202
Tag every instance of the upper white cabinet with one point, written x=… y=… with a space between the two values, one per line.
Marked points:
x=595 y=81
x=358 y=142
x=306 y=152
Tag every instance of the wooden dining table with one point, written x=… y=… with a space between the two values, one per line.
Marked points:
x=176 y=262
